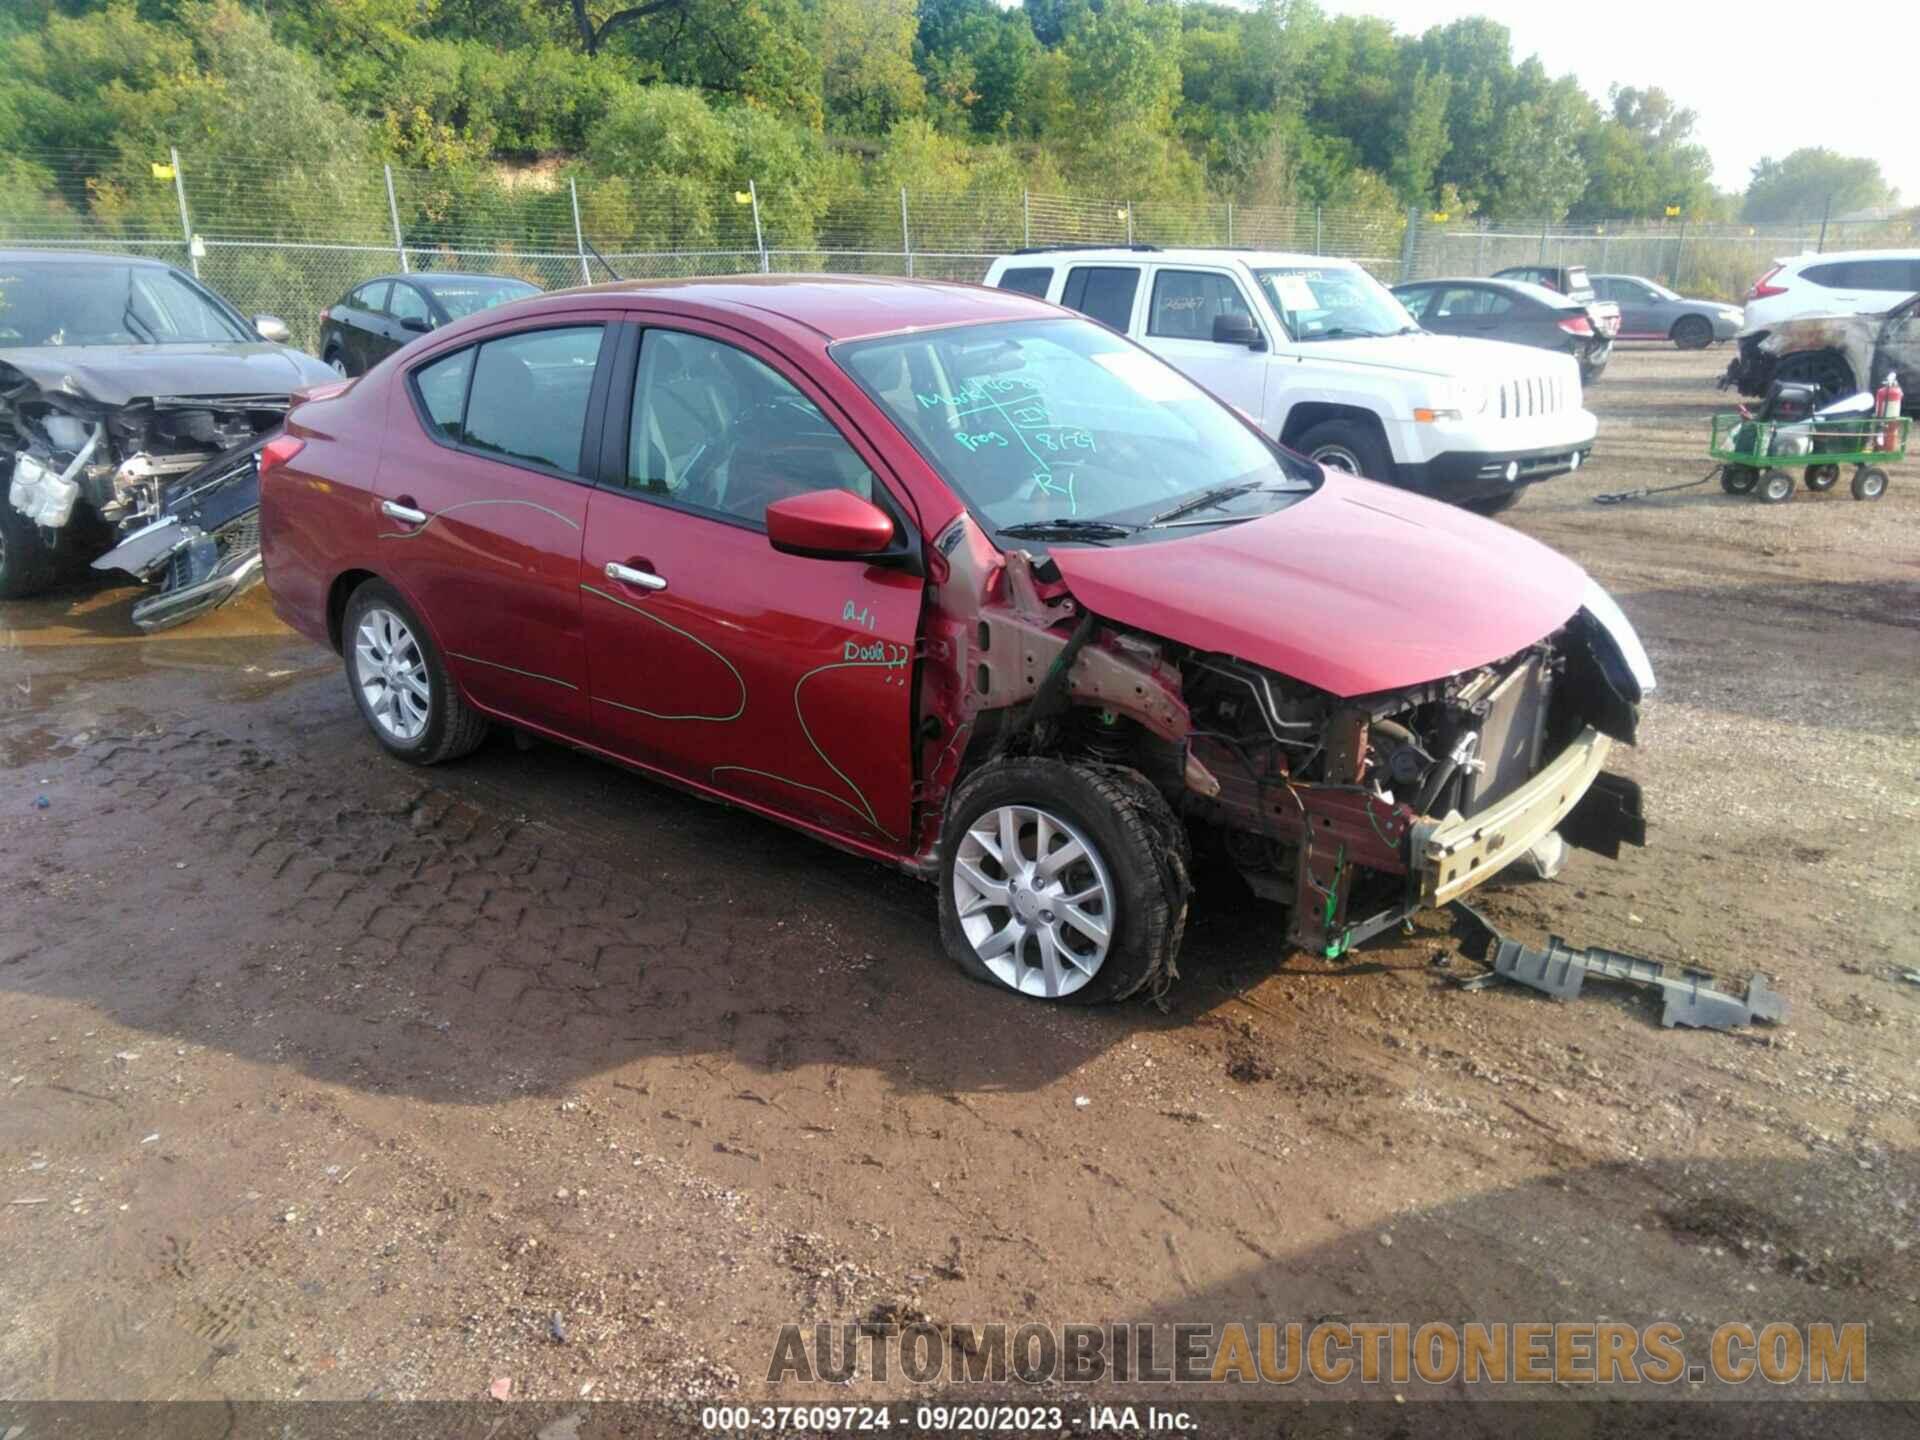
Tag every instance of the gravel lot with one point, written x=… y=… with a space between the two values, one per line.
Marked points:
x=331 y=1079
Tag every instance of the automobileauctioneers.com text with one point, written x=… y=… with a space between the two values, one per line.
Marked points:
x=1325 y=1352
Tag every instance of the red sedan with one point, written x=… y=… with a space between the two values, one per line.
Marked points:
x=961 y=581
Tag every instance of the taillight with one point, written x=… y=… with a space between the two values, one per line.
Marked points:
x=326 y=314
x=1577 y=325
x=278 y=451
x=1762 y=288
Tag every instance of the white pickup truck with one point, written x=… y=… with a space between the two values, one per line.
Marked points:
x=1327 y=361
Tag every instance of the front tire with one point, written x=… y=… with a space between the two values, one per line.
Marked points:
x=1063 y=882
x=1349 y=446
x=1492 y=504
x=1775 y=486
x=400 y=683
x=1692 y=332
x=28 y=564
x=337 y=362
x=1821 y=477
x=1869 y=483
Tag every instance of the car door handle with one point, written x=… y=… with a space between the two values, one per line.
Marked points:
x=397 y=511
x=627 y=575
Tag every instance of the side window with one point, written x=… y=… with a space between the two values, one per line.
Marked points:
x=528 y=399
x=1416 y=301
x=443 y=390
x=1462 y=301
x=1103 y=293
x=1029 y=280
x=408 y=303
x=1879 y=275
x=1834 y=275
x=716 y=430
x=1185 y=303
x=370 y=297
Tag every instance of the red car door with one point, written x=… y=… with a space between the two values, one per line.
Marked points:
x=781 y=681
x=482 y=506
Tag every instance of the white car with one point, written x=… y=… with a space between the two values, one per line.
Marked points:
x=1323 y=358
x=1840 y=282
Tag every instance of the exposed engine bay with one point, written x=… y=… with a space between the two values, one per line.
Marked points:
x=166 y=485
x=1354 y=812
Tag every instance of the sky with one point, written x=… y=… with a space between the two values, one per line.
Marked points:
x=1764 y=77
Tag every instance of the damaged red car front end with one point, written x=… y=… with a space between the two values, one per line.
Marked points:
x=962 y=582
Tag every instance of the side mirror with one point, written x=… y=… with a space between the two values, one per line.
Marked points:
x=272 y=328
x=419 y=324
x=1235 y=328
x=829 y=525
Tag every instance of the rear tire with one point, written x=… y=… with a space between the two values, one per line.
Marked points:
x=337 y=362
x=28 y=564
x=1011 y=922
x=1692 y=332
x=1349 y=446
x=400 y=683
x=1822 y=477
x=1738 y=479
x=1775 y=486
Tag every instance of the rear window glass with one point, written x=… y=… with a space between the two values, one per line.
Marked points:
x=443 y=390
x=1028 y=280
x=464 y=297
x=1102 y=292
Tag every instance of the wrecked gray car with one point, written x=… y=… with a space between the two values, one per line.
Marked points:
x=1838 y=354
x=133 y=404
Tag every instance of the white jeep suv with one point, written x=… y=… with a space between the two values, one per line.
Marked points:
x=1327 y=361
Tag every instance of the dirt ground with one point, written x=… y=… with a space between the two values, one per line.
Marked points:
x=328 y=1078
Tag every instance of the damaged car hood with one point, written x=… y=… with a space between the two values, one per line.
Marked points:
x=117 y=374
x=1358 y=588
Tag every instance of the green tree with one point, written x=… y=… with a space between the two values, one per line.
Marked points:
x=1814 y=181
x=868 y=78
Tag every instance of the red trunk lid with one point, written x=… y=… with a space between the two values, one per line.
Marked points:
x=1355 y=589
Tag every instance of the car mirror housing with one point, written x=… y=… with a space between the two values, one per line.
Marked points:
x=1234 y=328
x=829 y=525
x=419 y=324
x=273 y=328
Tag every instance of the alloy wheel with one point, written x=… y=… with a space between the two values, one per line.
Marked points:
x=1338 y=457
x=391 y=670
x=1034 y=900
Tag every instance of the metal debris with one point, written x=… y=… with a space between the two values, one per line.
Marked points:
x=1692 y=998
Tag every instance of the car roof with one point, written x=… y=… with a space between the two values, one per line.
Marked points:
x=1812 y=257
x=434 y=279
x=834 y=307
x=1495 y=282
x=83 y=257
x=1189 y=255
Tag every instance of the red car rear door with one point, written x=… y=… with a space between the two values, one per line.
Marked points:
x=483 y=503
x=781 y=681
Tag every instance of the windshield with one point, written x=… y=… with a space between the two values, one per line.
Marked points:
x=56 y=304
x=464 y=297
x=1061 y=424
x=1333 y=302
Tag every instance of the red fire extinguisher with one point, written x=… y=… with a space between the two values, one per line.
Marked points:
x=1886 y=405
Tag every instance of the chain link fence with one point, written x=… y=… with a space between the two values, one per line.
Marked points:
x=273 y=240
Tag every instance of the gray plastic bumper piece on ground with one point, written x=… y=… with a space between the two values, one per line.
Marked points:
x=1691 y=996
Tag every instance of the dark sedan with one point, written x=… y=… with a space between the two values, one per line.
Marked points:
x=373 y=320
x=1511 y=310
x=1650 y=311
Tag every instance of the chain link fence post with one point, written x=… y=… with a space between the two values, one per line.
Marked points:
x=1026 y=218
x=1129 y=222
x=579 y=235
x=393 y=214
x=1408 y=242
x=1319 y=232
x=180 y=194
x=759 y=235
x=906 y=235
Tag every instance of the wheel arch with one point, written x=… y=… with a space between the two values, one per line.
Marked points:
x=338 y=594
x=1309 y=413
